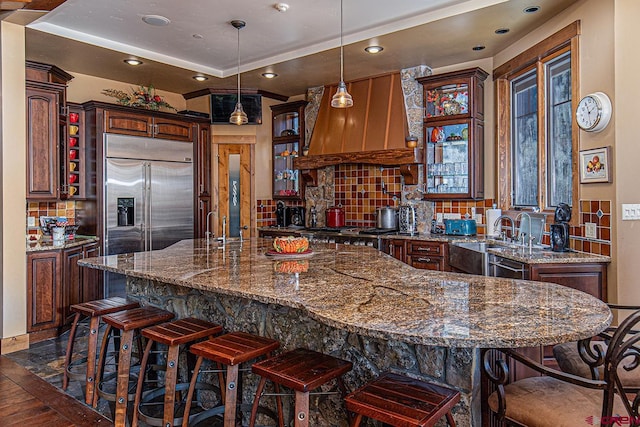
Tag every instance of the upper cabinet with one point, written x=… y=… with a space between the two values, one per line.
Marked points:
x=288 y=139
x=46 y=113
x=148 y=125
x=454 y=134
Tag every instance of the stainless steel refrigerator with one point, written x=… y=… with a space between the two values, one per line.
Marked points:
x=148 y=197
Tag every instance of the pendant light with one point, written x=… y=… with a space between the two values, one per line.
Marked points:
x=341 y=99
x=238 y=117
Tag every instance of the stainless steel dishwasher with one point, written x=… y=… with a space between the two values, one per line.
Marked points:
x=503 y=267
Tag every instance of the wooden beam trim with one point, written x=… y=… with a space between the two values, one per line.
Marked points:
x=363 y=146
x=234 y=139
x=535 y=53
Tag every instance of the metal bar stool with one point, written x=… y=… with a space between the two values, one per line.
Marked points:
x=231 y=350
x=129 y=323
x=402 y=402
x=301 y=370
x=173 y=334
x=93 y=310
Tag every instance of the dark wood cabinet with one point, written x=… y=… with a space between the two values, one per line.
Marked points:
x=42 y=142
x=588 y=277
x=55 y=282
x=454 y=134
x=44 y=291
x=428 y=255
x=149 y=125
x=46 y=115
x=423 y=254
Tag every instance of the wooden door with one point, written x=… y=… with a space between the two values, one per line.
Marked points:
x=92 y=288
x=71 y=281
x=42 y=143
x=235 y=189
x=43 y=290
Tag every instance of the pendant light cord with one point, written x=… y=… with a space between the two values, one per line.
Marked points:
x=239 y=63
x=341 y=47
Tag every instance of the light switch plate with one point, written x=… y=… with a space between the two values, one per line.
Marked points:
x=630 y=212
x=439 y=218
x=590 y=230
x=478 y=218
x=452 y=216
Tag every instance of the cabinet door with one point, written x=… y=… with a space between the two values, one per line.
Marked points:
x=176 y=130
x=395 y=248
x=92 y=288
x=71 y=279
x=589 y=278
x=44 y=296
x=42 y=143
x=126 y=123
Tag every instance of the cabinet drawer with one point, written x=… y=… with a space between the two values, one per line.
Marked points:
x=426 y=248
x=426 y=262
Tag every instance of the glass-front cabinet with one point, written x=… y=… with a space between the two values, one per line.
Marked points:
x=454 y=134
x=288 y=141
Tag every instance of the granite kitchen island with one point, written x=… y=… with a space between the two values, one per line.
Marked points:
x=362 y=305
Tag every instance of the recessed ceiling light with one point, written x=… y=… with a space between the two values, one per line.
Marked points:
x=269 y=75
x=200 y=77
x=281 y=7
x=374 y=49
x=198 y=36
x=502 y=31
x=479 y=47
x=133 y=61
x=156 y=20
x=531 y=9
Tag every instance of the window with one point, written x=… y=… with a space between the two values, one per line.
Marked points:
x=537 y=136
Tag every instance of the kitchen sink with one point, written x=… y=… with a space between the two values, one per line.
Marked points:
x=477 y=246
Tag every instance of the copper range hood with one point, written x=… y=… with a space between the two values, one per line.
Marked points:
x=373 y=131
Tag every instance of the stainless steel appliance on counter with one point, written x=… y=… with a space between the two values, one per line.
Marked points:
x=148 y=197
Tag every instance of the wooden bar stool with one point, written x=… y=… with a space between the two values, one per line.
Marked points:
x=93 y=310
x=301 y=370
x=173 y=334
x=128 y=322
x=402 y=402
x=231 y=350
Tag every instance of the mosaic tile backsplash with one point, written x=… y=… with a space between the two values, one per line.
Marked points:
x=38 y=209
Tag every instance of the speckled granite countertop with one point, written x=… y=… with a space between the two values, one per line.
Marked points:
x=365 y=291
x=535 y=256
x=46 y=244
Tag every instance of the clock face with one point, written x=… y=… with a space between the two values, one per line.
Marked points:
x=593 y=112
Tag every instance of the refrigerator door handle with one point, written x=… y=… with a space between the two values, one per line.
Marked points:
x=149 y=205
x=145 y=204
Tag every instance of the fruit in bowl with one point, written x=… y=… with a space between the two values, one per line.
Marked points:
x=290 y=244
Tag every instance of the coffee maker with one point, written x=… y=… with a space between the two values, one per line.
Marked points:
x=560 y=228
x=281 y=214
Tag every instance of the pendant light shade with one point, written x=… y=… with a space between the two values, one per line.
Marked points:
x=342 y=98
x=238 y=117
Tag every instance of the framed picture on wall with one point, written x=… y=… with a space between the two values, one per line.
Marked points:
x=595 y=165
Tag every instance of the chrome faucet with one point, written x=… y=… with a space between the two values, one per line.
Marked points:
x=499 y=223
x=207 y=234
x=521 y=235
x=223 y=239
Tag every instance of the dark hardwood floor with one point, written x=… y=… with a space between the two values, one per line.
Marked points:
x=28 y=400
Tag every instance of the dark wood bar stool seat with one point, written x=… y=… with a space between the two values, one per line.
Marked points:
x=301 y=370
x=129 y=323
x=93 y=310
x=402 y=402
x=173 y=335
x=230 y=350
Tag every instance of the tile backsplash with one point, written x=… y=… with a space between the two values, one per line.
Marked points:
x=38 y=209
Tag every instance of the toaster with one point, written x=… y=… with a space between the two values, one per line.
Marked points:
x=460 y=227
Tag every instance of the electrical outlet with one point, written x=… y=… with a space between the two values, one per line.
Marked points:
x=590 y=230
x=439 y=218
x=478 y=218
x=630 y=212
x=452 y=216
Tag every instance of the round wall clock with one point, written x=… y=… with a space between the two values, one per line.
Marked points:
x=594 y=112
